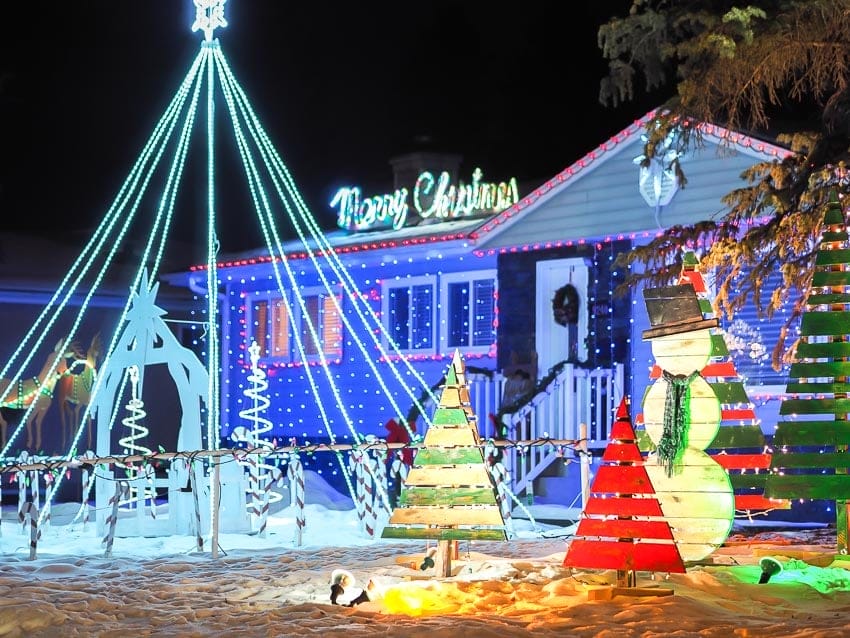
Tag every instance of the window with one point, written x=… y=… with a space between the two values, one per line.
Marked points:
x=465 y=313
x=409 y=311
x=468 y=311
x=268 y=323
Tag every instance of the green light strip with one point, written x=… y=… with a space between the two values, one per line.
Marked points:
x=272 y=159
x=167 y=122
x=256 y=191
x=96 y=247
x=92 y=247
x=213 y=405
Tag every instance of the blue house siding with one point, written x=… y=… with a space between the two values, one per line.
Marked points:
x=293 y=410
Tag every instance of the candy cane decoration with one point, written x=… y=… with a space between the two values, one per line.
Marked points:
x=270 y=479
x=501 y=478
x=87 y=483
x=34 y=476
x=371 y=514
x=30 y=511
x=51 y=483
x=199 y=539
x=21 y=478
x=379 y=467
x=122 y=491
x=356 y=464
x=150 y=475
x=295 y=472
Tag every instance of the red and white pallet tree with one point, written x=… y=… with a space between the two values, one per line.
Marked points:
x=622 y=526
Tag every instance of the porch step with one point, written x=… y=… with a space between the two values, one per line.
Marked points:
x=548 y=514
x=557 y=488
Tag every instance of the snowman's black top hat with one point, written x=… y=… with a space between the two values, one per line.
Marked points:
x=673 y=310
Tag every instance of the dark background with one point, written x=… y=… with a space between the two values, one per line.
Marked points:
x=341 y=87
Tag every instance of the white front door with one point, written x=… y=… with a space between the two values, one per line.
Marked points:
x=554 y=342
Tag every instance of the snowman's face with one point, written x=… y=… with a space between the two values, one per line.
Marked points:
x=684 y=352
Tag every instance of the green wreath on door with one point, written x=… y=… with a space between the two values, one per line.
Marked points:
x=565 y=305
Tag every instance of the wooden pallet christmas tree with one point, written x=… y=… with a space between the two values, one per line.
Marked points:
x=449 y=494
x=810 y=459
x=622 y=526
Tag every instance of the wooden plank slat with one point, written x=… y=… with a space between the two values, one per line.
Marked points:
x=445 y=496
x=760 y=502
x=828 y=299
x=718 y=346
x=455 y=397
x=742 y=461
x=622 y=528
x=832 y=350
x=447 y=516
x=811 y=460
x=832 y=256
x=737 y=414
x=748 y=480
x=738 y=436
x=448 y=456
x=808 y=370
x=817 y=388
x=830 y=279
x=445 y=534
x=815 y=406
x=450 y=416
x=622 y=453
x=834 y=235
x=448 y=475
x=625 y=479
x=828 y=487
x=812 y=433
x=622 y=506
x=730 y=392
x=622 y=431
x=657 y=557
x=725 y=369
x=450 y=437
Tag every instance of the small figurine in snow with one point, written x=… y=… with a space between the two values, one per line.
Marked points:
x=429 y=559
x=340 y=579
x=368 y=594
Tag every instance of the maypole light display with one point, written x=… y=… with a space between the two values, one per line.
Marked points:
x=209 y=96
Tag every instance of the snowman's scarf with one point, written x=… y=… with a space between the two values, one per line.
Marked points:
x=677 y=417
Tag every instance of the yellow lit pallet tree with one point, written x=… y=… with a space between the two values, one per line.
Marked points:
x=449 y=494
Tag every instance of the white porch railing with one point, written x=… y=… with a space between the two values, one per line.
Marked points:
x=576 y=396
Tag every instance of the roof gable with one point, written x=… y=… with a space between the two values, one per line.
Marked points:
x=576 y=219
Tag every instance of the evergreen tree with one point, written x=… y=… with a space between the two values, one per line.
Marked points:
x=775 y=69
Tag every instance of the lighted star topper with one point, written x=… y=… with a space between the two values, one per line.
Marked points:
x=209 y=15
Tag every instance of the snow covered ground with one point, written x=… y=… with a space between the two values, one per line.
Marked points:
x=269 y=587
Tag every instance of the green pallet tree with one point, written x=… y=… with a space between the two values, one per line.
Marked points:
x=810 y=458
x=449 y=495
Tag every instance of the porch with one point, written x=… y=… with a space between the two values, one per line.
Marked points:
x=575 y=398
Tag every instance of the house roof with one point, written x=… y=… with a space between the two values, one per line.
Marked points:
x=475 y=232
x=609 y=149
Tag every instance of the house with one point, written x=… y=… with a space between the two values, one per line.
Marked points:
x=525 y=282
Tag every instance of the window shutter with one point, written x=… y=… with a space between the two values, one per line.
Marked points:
x=457 y=315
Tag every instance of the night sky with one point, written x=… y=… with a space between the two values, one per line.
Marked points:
x=341 y=87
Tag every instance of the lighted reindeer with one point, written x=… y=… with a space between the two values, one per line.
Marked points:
x=74 y=391
x=38 y=389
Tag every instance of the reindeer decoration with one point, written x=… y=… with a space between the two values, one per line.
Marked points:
x=38 y=390
x=74 y=390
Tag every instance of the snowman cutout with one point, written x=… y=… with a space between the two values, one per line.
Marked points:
x=681 y=416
